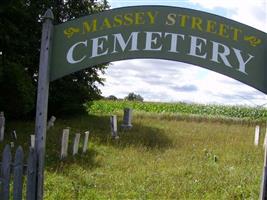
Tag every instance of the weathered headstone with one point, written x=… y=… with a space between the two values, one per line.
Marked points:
x=76 y=143
x=65 y=143
x=2 y=126
x=265 y=141
x=51 y=122
x=85 y=143
x=257 y=135
x=14 y=135
x=113 y=125
x=32 y=141
x=127 y=118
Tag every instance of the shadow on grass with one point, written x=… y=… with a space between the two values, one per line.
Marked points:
x=139 y=135
x=100 y=134
x=86 y=161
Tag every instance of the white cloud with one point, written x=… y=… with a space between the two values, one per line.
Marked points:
x=252 y=13
x=155 y=80
x=159 y=80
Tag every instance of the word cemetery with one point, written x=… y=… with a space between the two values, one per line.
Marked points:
x=166 y=42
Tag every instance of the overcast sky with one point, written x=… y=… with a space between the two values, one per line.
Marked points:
x=168 y=81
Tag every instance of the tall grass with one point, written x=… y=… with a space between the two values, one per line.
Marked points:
x=159 y=159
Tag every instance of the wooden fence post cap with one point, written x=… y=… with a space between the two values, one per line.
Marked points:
x=48 y=15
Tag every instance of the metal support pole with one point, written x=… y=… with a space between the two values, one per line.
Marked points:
x=263 y=192
x=42 y=100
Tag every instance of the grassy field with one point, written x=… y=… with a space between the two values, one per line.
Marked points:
x=159 y=158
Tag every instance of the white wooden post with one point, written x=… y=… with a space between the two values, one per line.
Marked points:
x=85 y=143
x=257 y=135
x=42 y=99
x=32 y=141
x=113 y=124
x=76 y=143
x=51 y=122
x=64 y=143
x=2 y=126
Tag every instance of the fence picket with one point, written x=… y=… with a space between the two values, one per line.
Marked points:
x=5 y=173
x=18 y=173
x=31 y=175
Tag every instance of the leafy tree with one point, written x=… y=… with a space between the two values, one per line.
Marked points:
x=133 y=97
x=16 y=89
x=112 y=97
x=20 y=33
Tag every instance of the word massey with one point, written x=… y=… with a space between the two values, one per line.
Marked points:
x=150 y=18
x=165 y=42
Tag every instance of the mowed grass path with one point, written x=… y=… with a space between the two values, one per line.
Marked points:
x=157 y=159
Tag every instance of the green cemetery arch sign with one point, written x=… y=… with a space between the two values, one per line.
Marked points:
x=171 y=33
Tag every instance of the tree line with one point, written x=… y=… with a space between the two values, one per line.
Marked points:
x=20 y=35
x=130 y=97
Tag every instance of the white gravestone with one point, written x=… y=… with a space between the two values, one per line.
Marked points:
x=257 y=135
x=2 y=126
x=114 y=128
x=85 y=143
x=76 y=143
x=32 y=141
x=65 y=143
x=51 y=122
x=127 y=118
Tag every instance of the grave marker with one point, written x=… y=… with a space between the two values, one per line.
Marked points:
x=14 y=135
x=85 y=144
x=257 y=135
x=127 y=118
x=76 y=143
x=2 y=126
x=113 y=124
x=51 y=122
x=32 y=141
x=64 y=143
